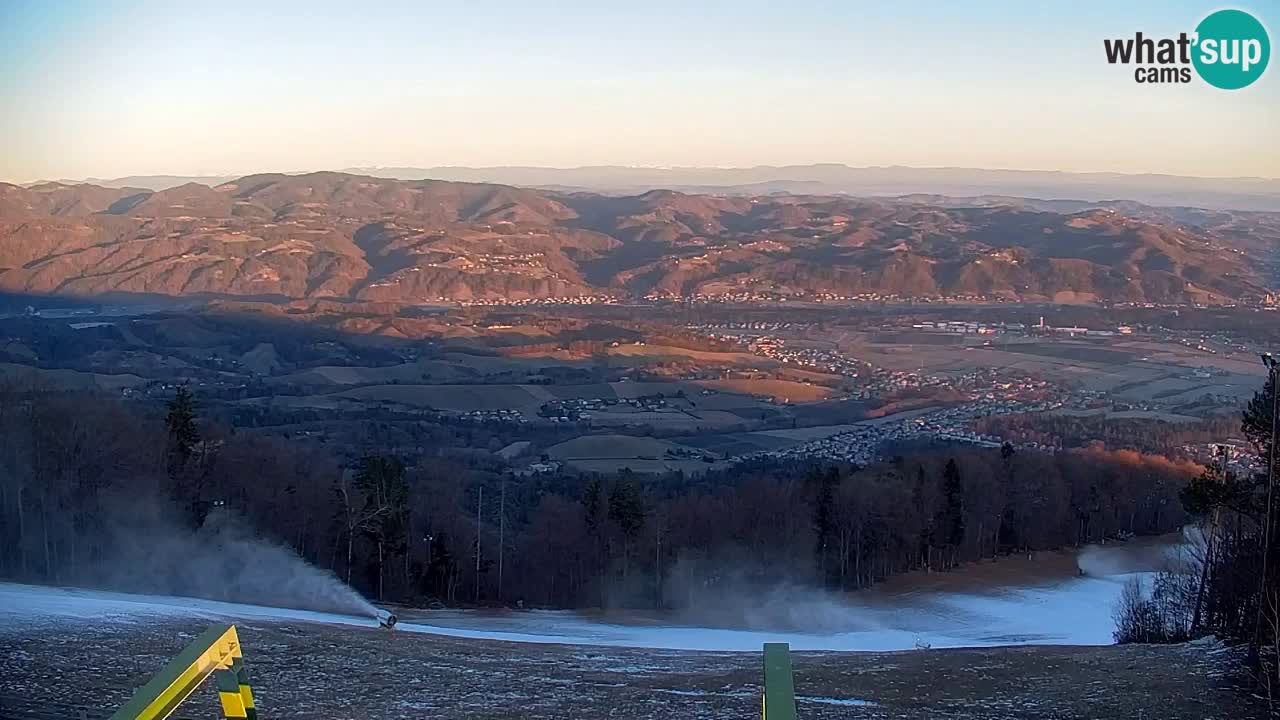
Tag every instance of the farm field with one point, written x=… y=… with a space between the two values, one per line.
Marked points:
x=447 y=368
x=1169 y=374
x=670 y=419
x=784 y=391
x=610 y=446
x=668 y=351
x=528 y=398
x=612 y=452
x=457 y=398
x=10 y=372
x=748 y=442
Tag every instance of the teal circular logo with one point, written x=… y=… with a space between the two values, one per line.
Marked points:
x=1232 y=49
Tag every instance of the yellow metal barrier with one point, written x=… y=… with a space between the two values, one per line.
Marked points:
x=215 y=652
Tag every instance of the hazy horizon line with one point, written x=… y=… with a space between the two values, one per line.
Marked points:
x=356 y=168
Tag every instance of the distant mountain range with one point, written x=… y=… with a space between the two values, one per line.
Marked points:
x=829 y=179
x=344 y=236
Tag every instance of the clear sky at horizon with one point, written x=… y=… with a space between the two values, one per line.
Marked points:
x=98 y=88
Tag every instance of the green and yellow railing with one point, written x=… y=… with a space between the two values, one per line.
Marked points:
x=216 y=652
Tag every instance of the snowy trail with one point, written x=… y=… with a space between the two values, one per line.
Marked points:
x=39 y=605
x=1076 y=612
x=1071 y=612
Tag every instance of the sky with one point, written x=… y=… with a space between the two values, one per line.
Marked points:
x=99 y=88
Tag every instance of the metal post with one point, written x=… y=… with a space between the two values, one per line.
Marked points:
x=233 y=691
x=502 y=531
x=779 y=701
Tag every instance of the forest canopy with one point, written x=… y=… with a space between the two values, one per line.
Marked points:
x=77 y=469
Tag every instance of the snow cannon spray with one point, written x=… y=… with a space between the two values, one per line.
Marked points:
x=386 y=619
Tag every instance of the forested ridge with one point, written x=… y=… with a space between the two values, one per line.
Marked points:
x=80 y=473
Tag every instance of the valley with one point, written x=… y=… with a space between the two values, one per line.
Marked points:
x=653 y=387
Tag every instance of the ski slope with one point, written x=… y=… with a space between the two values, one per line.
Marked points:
x=1072 y=612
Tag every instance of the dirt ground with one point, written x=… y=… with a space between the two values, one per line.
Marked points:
x=81 y=669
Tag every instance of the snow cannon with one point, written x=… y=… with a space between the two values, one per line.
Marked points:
x=386 y=619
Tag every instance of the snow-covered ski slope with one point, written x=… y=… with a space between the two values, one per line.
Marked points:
x=1075 y=611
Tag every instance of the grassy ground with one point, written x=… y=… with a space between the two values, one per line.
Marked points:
x=320 y=671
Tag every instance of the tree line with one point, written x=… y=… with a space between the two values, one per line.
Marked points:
x=1150 y=435
x=1229 y=585
x=464 y=528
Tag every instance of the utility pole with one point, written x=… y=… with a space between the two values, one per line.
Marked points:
x=502 y=530
x=479 y=504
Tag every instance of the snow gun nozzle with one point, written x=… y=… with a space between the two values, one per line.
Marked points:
x=386 y=619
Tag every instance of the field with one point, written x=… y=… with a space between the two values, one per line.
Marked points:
x=458 y=398
x=609 y=446
x=658 y=352
x=740 y=443
x=696 y=411
x=670 y=420
x=447 y=368
x=753 y=441
x=609 y=453
x=784 y=391
x=1169 y=374
x=806 y=434
x=745 y=443
x=73 y=379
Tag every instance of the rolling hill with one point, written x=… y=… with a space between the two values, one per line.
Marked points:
x=352 y=237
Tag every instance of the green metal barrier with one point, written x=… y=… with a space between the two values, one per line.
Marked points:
x=216 y=652
x=779 y=686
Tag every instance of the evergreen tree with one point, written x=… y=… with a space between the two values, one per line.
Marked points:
x=948 y=525
x=183 y=434
x=626 y=508
x=185 y=480
x=1259 y=417
x=627 y=513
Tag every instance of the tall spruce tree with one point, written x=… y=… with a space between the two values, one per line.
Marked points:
x=183 y=439
x=181 y=424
